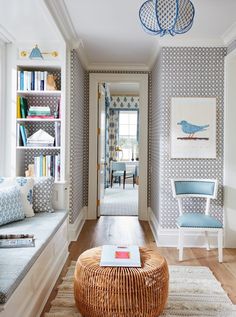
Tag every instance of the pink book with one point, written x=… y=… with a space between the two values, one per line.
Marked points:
x=40 y=117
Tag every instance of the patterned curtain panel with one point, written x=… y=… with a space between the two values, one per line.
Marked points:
x=113 y=132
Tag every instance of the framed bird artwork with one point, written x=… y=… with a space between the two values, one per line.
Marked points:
x=193 y=127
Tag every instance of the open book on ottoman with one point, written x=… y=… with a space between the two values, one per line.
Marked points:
x=126 y=256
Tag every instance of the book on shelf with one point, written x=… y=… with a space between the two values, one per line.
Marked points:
x=18 y=111
x=124 y=256
x=47 y=165
x=23 y=107
x=57 y=133
x=32 y=80
x=23 y=133
x=39 y=111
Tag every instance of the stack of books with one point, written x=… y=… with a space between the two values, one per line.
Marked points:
x=39 y=112
x=47 y=165
x=40 y=139
x=32 y=80
x=17 y=240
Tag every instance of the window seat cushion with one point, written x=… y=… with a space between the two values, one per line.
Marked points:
x=16 y=262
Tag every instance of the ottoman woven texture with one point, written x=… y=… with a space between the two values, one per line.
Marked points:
x=121 y=291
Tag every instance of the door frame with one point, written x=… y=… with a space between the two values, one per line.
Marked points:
x=142 y=80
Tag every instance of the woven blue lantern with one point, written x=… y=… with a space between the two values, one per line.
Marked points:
x=160 y=17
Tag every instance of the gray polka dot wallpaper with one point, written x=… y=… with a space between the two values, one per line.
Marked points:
x=183 y=72
x=78 y=142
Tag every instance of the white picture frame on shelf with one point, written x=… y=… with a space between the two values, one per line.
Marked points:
x=193 y=127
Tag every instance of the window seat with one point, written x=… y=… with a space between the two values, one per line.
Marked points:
x=32 y=270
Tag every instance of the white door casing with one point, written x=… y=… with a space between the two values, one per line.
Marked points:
x=94 y=80
x=101 y=147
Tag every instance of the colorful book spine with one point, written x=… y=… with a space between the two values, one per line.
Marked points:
x=21 y=80
x=23 y=135
x=18 y=112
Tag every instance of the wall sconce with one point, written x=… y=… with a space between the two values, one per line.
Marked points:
x=35 y=53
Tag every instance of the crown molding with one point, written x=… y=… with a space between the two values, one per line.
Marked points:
x=5 y=36
x=118 y=67
x=230 y=34
x=61 y=17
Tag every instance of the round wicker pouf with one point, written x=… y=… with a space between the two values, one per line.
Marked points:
x=121 y=291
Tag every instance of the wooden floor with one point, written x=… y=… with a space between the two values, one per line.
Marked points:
x=129 y=230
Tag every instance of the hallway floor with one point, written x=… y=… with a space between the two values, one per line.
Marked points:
x=119 y=201
x=129 y=230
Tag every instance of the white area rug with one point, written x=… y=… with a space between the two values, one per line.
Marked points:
x=119 y=201
x=194 y=292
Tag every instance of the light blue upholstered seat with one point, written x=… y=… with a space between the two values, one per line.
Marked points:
x=118 y=169
x=16 y=262
x=197 y=221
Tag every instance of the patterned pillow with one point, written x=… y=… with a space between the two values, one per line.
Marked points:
x=11 y=208
x=26 y=184
x=42 y=194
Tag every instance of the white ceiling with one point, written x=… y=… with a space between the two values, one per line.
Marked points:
x=110 y=30
x=26 y=20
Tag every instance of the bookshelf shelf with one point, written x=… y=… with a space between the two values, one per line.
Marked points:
x=38 y=147
x=37 y=120
x=39 y=92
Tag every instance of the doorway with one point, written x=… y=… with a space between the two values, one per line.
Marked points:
x=94 y=81
x=118 y=149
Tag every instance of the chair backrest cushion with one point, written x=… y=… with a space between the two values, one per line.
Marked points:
x=118 y=166
x=194 y=188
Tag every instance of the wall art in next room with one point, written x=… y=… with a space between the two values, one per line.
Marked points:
x=193 y=127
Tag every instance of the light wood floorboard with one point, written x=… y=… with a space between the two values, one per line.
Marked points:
x=129 y=230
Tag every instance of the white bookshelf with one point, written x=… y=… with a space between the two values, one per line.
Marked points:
x=24 y=155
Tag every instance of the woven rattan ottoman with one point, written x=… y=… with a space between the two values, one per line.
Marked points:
x=120 y=291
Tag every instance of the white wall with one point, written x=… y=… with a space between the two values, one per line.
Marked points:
x=2 y=106
x=230 y=151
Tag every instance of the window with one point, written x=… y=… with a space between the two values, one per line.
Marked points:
x=128 y=136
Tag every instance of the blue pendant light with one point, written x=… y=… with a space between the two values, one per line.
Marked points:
x=160 y=17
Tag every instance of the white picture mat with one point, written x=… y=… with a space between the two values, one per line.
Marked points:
x=197 y=111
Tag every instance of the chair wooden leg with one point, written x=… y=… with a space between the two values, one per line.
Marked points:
x=133 y=180
x=220 y=245
x=111 y=179
x=124 y=180
x=119 y=180
x=181 y=248
x=207 y=241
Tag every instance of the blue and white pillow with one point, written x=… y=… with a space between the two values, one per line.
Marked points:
x=11 y=208
x=42 y=194
x=25 y=185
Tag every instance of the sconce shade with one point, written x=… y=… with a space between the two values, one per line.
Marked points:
x=35 y=53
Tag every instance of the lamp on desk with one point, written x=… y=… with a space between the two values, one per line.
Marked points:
x=118 y=149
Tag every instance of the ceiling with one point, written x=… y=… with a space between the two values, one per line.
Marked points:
x=108 y=33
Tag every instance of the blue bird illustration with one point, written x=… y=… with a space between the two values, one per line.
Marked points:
x=191 y=129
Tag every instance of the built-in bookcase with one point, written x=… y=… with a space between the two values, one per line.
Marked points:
x=31 y=85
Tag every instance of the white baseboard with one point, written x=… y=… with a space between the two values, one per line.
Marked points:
x=76 y=227
x=169 y=237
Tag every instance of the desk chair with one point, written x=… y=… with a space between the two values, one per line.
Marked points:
x=197 y=221
x=118 y=169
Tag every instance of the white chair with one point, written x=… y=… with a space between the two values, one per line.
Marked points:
x=197 y=221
